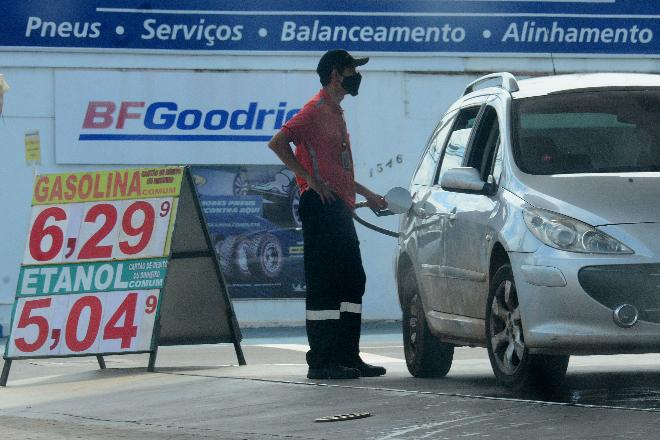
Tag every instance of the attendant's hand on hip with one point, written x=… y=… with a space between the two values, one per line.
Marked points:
x=322 y=189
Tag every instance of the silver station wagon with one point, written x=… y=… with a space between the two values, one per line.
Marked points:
x=535 y=226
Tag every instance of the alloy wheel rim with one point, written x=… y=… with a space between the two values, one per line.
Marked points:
x=506 y=335
x=412 y=325
x=241 y=185
x=242 y=256
x=271 y=258
x=295 y=207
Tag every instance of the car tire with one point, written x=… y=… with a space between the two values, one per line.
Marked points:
x=285 y=211
x=426 y=355
x=294 y=204
x=266 y=256
x=510 y=359
x=234 y=253
x=225 y=250
x=242 y=256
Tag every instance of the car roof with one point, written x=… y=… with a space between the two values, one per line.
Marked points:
x=545 y=85
x=564 y=83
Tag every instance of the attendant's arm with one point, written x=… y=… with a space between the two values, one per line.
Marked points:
x=280 y=146
x=375 y=201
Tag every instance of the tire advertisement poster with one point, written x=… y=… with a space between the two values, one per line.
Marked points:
x=252 y=217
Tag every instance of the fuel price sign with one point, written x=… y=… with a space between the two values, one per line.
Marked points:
x=95 y=262
x=62 y=325
x=100 y=230
x=99 y=248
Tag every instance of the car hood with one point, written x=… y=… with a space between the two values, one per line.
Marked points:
x=597 y=199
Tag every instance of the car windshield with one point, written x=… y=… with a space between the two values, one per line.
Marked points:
x=604 y=131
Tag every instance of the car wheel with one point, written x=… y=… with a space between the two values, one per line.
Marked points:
x=510 y=359
x=285 y=211
x=225 y=251
x=234 y=254
x=294 y=198
x=266 y=257
x=242 y=256
x=426 y=356
x=241 y=186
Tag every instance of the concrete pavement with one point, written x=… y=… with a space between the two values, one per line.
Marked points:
x=198 y=392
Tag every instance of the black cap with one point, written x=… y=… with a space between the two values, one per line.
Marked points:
x=337 y=58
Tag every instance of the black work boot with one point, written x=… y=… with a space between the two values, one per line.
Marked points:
x=333 y=372
x=366 y=370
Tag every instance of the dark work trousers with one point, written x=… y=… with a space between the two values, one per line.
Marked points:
x=335 y=281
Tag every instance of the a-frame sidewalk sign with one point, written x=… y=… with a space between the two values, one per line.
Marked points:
x=118 y=262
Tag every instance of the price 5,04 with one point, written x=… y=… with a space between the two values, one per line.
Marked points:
x=82 y=323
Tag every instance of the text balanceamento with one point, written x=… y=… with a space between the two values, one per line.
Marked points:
x=521 y=30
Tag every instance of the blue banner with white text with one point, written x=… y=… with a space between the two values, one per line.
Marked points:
x=617 y=27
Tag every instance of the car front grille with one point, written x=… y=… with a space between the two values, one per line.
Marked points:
x=635 y=284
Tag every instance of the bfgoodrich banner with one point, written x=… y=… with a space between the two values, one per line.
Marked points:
x=106 y=117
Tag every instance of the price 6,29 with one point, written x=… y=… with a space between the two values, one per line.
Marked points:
x=78 y=339
x=45 y=242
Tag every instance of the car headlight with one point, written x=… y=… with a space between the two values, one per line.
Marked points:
x=566 y=233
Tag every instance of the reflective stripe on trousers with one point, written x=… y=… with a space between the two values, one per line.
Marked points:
x=321 y=315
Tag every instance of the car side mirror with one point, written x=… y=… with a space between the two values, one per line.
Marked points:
x=464 y=179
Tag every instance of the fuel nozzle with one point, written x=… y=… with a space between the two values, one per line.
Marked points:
x=398 y=201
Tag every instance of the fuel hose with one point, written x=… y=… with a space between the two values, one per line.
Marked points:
x=366 y=224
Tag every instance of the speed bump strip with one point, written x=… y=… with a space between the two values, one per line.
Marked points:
x=343 y=417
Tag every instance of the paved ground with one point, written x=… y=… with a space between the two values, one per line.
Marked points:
x=199 y=393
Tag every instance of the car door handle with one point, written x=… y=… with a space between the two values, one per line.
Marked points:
x=424 y=210
x=452 y=215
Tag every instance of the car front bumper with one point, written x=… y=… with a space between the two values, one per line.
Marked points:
x=568 y=300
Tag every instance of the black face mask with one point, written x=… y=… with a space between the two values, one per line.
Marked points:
x=352 y=83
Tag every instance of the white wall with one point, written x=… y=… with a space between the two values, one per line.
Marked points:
x=400 y=100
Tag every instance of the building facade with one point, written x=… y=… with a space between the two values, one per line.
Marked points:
x=102 y=85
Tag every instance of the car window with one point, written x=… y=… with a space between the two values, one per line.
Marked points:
x=483 y=147
x=458 y=139
x=429 y=163
x=603 y=131
x=496 y=171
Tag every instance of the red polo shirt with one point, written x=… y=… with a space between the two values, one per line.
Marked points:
x=319 y=132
